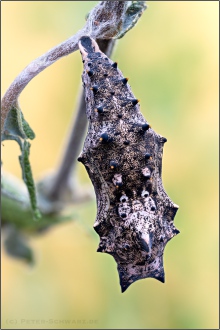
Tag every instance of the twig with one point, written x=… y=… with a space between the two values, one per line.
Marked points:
x=103 y=22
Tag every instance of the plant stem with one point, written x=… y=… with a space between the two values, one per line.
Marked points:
x=103 y=22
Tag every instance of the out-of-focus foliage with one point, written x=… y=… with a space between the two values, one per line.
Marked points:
x=16 y=215
x=171 y=57
x=16 y=246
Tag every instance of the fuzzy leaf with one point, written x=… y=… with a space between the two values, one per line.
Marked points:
x=27 y=129
x=28 y=178
x=16 y=128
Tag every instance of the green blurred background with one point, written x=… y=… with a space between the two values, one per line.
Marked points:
x=171 y=58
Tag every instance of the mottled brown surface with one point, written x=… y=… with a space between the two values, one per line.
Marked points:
x=123 y=157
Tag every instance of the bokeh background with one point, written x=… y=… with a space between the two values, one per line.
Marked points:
x=171 y=58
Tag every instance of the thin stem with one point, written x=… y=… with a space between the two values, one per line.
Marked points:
x=103 y=22
x=60 y=182
x=33 y=69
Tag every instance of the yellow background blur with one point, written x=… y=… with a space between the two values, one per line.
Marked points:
x=171 y=58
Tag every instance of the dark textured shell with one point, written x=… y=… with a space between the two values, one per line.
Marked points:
x=123 y=157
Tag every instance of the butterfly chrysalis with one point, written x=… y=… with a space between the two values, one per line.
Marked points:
x=123 y=157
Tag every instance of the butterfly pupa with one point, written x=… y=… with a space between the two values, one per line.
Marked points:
x=123 y=157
